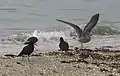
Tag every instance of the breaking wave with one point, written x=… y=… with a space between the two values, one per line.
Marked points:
x=53 y=36
x=105 y=30
x=50 y=40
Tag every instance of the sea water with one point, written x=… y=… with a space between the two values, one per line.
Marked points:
x=19 y=18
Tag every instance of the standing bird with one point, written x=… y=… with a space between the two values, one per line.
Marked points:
x=27 y=50
x=84 y=35
x=63 y=45
x=32 y=39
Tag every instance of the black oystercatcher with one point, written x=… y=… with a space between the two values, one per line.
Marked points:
x=63 y=45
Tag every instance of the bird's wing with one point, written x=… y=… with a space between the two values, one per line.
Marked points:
x=23 y=51
x=77 y=29
x=93 y=21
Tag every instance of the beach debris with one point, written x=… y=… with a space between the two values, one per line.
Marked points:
x=111 y=75
x=37 y=54
x=97 y=56
x=52 y=53
x=42 y=74
x=58 y=53
x=114 y=65
x=84 y=54
x=89 y=68
x=76 y=66
x=104 y=70
x=67 y=61
x=54 y=71
x=78 y=61
x=8 y=65
x=95 y=63
x=83 y=61
x=69 y=54
x=105 y=50
x=20 y=63
x=107 y=46
x=89 y=50
x=76 y=50
x=115 y=57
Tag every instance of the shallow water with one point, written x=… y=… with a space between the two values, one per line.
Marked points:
x=18 y=19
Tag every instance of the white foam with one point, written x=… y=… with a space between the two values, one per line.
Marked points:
x=51 y=35
x=35 y=33
x=48 y=41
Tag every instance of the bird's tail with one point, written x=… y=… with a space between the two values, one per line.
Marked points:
x=11 y=55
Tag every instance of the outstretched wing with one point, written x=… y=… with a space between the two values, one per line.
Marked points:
x=23 y=51
x=77 y=29
x=93 y=21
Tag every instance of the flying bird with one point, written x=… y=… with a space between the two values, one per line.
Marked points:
x=83 y=35
x=63 y=45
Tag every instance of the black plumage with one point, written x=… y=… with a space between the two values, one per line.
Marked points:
x=31 y=40
x=27 y=50
x=63 y=45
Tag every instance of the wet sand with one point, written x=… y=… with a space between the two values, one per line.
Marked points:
x=84 y=63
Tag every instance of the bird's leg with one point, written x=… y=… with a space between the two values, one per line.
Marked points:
x=23 y=57
x=62 y=51
x=66 y=51
x=28 y=58
x=81 y=46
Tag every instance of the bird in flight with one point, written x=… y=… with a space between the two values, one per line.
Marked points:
x=83 y=35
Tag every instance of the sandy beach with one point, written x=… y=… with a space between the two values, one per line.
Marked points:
x=84 y=63
x=20 y=18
